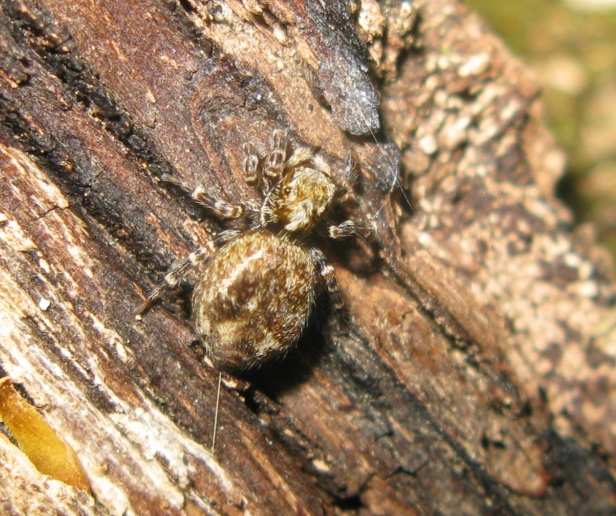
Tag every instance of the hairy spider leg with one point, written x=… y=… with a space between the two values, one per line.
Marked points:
x=275 y=161
x=181 y=266
x=326 y=270
x=221 y=209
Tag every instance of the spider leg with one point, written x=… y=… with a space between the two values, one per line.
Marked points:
x=180 y=267
x=275 y=161
x=251 y=163
x=327 y=273
x=304 y=154
x=348 y=228
x=349 y=177
x=221 y=209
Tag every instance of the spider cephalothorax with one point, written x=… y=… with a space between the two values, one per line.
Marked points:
x=301 y=197
x=258 y=286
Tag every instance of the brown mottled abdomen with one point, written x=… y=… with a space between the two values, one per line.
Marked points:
x=254 y=299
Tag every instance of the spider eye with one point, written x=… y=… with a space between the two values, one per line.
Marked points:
x=287 y=190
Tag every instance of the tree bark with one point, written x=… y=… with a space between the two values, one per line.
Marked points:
x=475 y=371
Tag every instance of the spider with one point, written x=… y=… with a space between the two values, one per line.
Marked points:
x=254 y=296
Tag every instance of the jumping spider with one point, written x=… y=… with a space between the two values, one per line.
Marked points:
x=254 y=298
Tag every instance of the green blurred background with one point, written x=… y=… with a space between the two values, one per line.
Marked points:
x=571 y=46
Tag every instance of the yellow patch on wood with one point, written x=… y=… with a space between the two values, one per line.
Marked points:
x=51 y=454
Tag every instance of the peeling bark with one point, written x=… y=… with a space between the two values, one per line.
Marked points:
x=475 y=373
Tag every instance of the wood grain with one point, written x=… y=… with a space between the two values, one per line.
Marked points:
x=475 y=373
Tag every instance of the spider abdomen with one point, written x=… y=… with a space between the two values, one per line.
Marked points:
x=254 y=299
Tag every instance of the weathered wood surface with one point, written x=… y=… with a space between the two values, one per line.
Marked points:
x=476 y=372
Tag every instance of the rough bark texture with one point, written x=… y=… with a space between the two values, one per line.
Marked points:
x=475 y=373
